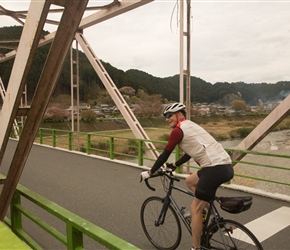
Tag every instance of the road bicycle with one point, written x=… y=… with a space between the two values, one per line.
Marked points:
x=159 y=219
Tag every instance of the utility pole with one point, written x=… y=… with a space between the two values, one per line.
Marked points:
x=75 y=83
x=185 y=35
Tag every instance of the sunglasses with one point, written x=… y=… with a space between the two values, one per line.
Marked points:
x=168 y=115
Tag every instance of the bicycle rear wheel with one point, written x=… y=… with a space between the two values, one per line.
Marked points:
x=231 y=234
x=166 y=236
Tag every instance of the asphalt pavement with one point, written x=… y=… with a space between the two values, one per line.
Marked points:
x=108 y=194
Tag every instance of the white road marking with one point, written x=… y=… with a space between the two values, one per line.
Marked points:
x=269 y=224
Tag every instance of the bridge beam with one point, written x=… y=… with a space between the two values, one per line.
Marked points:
x=98 y=17
x=27 y=48
x=264 y=128
x=70 y=20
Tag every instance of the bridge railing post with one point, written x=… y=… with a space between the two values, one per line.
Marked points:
x=140 y=152
x=89 y=148
x=16 y=217
x=112 y=148
x=74 y=237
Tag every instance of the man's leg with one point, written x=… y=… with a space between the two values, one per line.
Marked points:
x=197 y=208
x=191 y=181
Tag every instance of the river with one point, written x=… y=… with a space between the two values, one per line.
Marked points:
x=277 y=142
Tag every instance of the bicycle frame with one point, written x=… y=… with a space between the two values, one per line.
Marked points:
x=212 y=210
x=174 y=204
x=168 y=199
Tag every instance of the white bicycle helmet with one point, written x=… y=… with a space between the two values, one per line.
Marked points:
x=174 y=107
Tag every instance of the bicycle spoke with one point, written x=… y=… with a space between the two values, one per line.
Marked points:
x=167 y=235
x=231 y=235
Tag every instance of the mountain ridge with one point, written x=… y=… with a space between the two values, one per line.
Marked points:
x=168 y=87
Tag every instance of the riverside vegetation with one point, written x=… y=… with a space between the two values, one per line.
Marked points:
x=220 y=127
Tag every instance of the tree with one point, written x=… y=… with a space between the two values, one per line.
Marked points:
x=238 y=105
x=56 y=114
x=127 y=90
x=88 y=115
x=149 y=105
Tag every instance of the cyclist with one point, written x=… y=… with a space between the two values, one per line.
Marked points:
x=215 y=164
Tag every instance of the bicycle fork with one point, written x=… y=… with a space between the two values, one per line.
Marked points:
x=161 y=217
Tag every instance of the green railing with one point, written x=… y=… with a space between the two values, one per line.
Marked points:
x=113 y=147
x=260 y=163
x=75 y=226
x=117 y=147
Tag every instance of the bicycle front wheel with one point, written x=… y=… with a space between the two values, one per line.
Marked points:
x=165 y=236
x=229 y=234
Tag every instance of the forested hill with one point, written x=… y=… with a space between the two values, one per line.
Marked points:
x=168 y=87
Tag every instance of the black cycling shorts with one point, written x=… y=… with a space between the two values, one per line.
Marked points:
x=210 y=178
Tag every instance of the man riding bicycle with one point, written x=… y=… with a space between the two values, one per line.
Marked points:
x=198 y=144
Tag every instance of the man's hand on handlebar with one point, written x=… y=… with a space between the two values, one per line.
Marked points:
x=166 y=172
x=170 y=167
x=144 y=175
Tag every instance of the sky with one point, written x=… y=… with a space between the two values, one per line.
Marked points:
x=231 y=41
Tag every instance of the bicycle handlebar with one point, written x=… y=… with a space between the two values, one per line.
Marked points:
x=149 y=186
x=163 y=172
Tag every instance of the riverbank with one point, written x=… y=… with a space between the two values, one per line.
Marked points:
x=278 y=143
